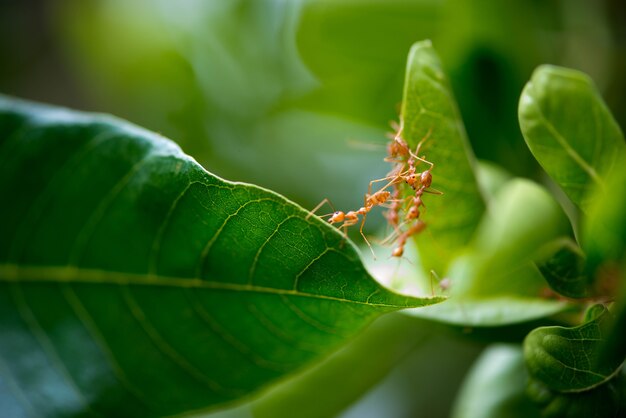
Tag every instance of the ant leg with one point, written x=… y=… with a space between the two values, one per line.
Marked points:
x=394 y=180
x=419 y=145
x=433 y=191
x=415 y=155
x=399 y=127
x=394 y=234
x=319 y=205
x=395 y=126
x=444 y=283
x=433 y=274
x=363 y=235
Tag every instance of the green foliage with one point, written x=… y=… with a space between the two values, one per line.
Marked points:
x=577 y=371
x=135 y=283
x=121 y=256
x=570 y=376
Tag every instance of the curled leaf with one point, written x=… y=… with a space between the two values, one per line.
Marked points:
x=567 y=360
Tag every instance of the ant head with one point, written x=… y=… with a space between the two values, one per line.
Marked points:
x=336 y=217
x=411 y=179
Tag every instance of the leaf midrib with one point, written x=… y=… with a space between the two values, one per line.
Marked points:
x=573 y=154
x=71 y=274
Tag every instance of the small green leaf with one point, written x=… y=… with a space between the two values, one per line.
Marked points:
x=135 y=283
x=564 y=270
x=428 y=106
x=567 y=360
x=570 y=130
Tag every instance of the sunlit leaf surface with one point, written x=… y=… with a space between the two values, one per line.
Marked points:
x=135 y=283
x=430 y=111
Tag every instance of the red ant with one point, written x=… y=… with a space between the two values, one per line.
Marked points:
x=350 y=218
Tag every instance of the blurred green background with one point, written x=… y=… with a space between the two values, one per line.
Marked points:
x=296 y=96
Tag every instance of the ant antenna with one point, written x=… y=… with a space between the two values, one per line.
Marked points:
x=319 y=205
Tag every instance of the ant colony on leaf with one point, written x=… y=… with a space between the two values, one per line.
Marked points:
x=401 y=194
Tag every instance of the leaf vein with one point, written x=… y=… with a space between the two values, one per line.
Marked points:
x=85 y=317
x=586 y=167
x=307 y=318
x=71 y=274
x=156 y=244
x=46 y=344
x=262 y=247
x=207 y=248
x=233 y=341
x=97 y=215
x=164 y=347
x=36 y=210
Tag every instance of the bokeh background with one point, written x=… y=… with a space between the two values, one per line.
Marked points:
x=296 y=96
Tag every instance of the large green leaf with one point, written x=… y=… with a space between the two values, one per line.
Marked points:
x=570 y=130
x=428 y=106
x=134 y=283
